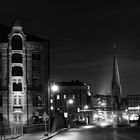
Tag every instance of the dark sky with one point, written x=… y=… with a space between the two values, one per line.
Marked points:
x=82 y=37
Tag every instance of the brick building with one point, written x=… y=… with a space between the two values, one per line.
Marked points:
x=21 y=76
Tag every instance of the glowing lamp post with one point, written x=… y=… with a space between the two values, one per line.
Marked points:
x=85 y=107
x=54 y=88
x=66 y=114
x=70 y=101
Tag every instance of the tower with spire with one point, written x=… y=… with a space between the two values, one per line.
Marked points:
x=116 y=85
x=22 y=78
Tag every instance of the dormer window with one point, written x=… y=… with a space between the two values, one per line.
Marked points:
x=16 y=42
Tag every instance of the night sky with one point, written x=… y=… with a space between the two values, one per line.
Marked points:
x=82 y=38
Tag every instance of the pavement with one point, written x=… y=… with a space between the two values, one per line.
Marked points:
x=40 y=135
x=34 y=136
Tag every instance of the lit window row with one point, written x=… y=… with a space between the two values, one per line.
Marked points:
x=64 y=96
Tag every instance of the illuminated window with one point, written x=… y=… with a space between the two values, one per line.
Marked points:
x=65 y=96
x=73 y=96
x=78 y=109
x=17 y=87
x=52 y=108
x=51 y=100
x=58 y=97
x=16 y=42
x=16 y=58
x=17 y=71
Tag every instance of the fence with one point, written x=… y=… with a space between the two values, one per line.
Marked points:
x=10 y=130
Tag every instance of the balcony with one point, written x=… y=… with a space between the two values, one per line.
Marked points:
x=18 y=109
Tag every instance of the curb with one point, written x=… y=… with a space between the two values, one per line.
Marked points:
x=55 y=133
x=45 y=138
x=13 y=138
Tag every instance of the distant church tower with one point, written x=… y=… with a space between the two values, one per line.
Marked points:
x=116 y=85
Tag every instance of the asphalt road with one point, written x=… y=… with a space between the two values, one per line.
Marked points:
x=95 y=133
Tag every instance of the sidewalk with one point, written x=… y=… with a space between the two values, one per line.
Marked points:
x=34 y=136
x=55 y=133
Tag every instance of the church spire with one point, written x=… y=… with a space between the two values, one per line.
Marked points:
x=116 y=85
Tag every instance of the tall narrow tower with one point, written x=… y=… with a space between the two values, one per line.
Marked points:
x=17 y=75
x=116 y=85
x=22 y=77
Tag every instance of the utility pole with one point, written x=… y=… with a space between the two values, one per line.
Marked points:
x=47 y=85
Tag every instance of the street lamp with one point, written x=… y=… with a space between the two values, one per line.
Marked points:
x=70 y=101
x=86 y=107
x=66 y=114
x=54 y=88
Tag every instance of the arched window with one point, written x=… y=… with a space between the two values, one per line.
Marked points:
x=16 y=58
x=16 y=42
x=17 y=87
x=17 y=71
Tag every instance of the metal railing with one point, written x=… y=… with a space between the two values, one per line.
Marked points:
x=10 y=130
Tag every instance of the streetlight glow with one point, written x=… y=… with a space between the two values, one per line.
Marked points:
x=54 y=88
x=86 y=107
x=70 y=101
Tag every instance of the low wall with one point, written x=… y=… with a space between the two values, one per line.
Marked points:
x=34 y=128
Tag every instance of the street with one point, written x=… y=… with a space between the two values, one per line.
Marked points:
x=92 y=132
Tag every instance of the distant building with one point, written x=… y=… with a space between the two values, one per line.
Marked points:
x=124 y=104
x=102 y=102
x=21 y=76
x=75 y=91
x=106 y=108
x=133 y=107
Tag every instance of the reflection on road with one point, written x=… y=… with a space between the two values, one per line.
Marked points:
x=96 y=133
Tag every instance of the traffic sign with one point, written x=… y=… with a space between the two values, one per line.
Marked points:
x=45 y=116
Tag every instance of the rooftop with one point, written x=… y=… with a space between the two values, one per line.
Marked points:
x=5 y=30
x=72 y=83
